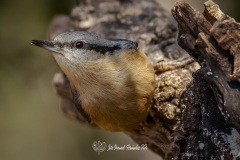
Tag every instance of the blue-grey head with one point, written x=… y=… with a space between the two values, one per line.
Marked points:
x=85 y=46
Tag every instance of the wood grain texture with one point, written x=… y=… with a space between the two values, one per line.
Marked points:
x=208 y=37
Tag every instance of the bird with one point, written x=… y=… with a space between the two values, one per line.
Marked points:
x=112 y=80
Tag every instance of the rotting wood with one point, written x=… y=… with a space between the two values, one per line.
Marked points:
x=212 y=39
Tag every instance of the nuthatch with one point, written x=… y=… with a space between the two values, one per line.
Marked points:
x=112 y=81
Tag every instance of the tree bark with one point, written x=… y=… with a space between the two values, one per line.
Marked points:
x=195 y=112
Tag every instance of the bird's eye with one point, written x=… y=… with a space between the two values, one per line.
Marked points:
x=79 y=44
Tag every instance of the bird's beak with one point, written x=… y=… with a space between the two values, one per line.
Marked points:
x=49 y=45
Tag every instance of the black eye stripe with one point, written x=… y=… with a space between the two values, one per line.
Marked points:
x=102 y=49
x=95 y=47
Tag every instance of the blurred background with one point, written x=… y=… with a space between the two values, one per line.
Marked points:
x=31 y=123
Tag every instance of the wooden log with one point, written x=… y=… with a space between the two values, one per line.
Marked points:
x=192 y=117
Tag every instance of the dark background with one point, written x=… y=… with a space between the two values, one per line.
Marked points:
x=31 y=123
